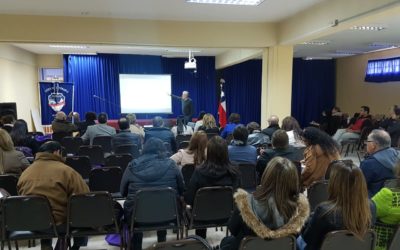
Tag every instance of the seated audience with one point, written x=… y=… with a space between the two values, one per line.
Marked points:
x=159 y=131
x=215 y=171
x=151 y=170
x=234 y=120
x=125 y=136
x=320 y=151
x=11 y=160
x=134 y=126
x=101 y=129
x=394 y=128
x=280 y=147
x=7 y=122
x=199 y=121
x=209 y=125
x=74 y=117
x=292 y=128
x=330 y=123
x=48 y=176
x=181 y=128
x=276 y=209
x=387 y=204
x=379 y=164
x=194 y=153
x=392 y=118
x=273 y=125
x=22 y=140
x=90 y=120
x=239 y=151
x=354 y=130
x=61 y=125
x=347 y=208
x=256 y=138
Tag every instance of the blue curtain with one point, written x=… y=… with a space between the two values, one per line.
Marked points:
x=243 y=90
x=313 y=89
x=99 y=76
x=96 y=82
x=383 y=70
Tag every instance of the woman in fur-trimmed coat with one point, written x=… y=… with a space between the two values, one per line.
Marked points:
x=276 y=209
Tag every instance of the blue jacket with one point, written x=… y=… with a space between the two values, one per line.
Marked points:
x=125 y=137
x=378 y=168
x=162 y=133
x=228 y=129
x=149 y=171
x=242 y=154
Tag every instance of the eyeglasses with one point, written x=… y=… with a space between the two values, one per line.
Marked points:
x=366 y=141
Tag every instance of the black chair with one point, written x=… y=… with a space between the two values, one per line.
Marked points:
x=91 y=214
x=9 y=182
x=104 y=142
x=58 y=136
x=191 y=243
x=183 y=144
x=95 y=154
x=395 y=242
x=147 y=215
x=208 y=213
x=187 y=172
x=248 y=176
x=181 y=138
x=131 y=149
x=317 y=193
x=80 y=164
x=284 y=243
x=27 y=217
x=105 y=179
x=120 y=160
x=71 y=144
x=345 y=240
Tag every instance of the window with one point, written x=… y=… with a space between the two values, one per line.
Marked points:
x=383 y=70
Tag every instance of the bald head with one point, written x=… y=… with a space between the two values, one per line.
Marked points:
x=273 y=120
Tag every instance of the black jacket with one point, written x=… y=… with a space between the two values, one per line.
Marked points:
x=270 y=130
x=290 y=153
x=321 y=223
x=394 y=132
x=203 y=177
x=126 y=137
x=162 y=133
x=149 y=171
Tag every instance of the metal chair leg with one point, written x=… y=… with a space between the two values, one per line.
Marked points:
x=16 y=245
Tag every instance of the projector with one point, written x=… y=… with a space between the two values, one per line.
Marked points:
x=191 y=64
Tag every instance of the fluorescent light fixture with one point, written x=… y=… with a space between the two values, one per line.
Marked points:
x=383 y=44
x=80 y=53
x=67 y=46
x=319 y=43
x=308 y=58
x=368 y=28
x=228 y=2
x=348 y=52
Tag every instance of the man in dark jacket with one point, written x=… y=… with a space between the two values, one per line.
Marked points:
x=273 y=125
x=153 y=169
x=61 y=125
x=125 y=136
x=159 y=131
x=378 y=166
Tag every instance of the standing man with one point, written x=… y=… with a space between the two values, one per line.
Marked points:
x=187 y=106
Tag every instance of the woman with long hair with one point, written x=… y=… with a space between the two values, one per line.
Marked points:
x=293 y=129
x=276 y=209
x=209 y=125
x=11 y=160
x=195 y=153
x=21 y=138
x=181 y=128
x=215 y=171
x=320 y=151
x=347 y=208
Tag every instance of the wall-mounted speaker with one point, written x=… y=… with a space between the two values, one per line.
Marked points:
x=8 y=108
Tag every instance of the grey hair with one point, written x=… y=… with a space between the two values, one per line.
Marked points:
x=381 y=138
x=131 y=118
x=273 y=119
x=158 y=121
x=185 y=92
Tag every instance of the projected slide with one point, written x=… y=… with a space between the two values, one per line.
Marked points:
x=145 y=93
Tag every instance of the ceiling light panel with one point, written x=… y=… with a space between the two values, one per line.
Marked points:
x=368 y=28
x=319 y=43
x=65 y=46
x=228 y=2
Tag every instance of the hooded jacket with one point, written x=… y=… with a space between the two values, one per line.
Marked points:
x=251 y=218
x=149 y=171
x=378 y=168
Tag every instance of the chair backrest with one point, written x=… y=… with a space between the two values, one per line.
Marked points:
x=284 y=243
x=105 y=179
x=91 y=210
x=183 y=144
x=188 y=244
x=205 y=209
x=187 y=172
x=317 y=193
x=120 y=160
x=9 y=183
x=104 y=142
x=95 y=154
x=344 y=239
x=27 y=213
x=395 y=242
x=71 y=144
x=58 y=136
x=80 y=164
x=147 y=206
x=181 y=138
x=131 y=149
x=248 y=176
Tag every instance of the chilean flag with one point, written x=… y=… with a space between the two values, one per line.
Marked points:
x=222 y=106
